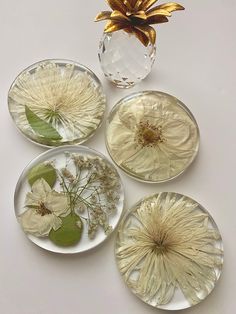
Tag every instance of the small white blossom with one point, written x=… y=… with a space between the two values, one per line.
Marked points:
x=44 y=208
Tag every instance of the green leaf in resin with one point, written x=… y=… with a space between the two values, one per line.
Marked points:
x=69 y=233
x=44 y=171
x=41 y=127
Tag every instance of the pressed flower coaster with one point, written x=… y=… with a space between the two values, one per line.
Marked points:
x=57 y=102
x=69 y=199
x=152 y=136
x=169 y=251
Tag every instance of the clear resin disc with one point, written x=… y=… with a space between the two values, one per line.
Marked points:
x=169 y=251
x=57 y=102
x=152 y=136
x=69 y=199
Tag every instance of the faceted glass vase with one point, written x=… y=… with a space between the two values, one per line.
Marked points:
x=124 y=60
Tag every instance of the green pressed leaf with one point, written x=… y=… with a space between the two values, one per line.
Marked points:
x=44 y=171
x=41 y=127
x=69 y=233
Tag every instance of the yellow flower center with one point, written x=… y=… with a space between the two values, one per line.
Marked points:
x=43 y=210
x=149 y=135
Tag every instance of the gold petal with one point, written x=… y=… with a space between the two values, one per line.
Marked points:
x=146 y=4
x=157 y=19
x=129 y=30
x=148 y=31
x=113 y=26
x=117 y=15
x=104 y=15
x=137 y=5
x=155 y=11
x=128 y=4
x=141 y=36
x=152 y=34
x=171 y=6
x=131 y=2
x=140 y=15
x=117 y=5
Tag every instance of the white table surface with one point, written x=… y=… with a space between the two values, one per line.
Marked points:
x=196 y=63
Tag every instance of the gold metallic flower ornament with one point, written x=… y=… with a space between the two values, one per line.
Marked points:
x=136 y=16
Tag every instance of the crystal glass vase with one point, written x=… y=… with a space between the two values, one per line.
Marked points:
x=125 y=61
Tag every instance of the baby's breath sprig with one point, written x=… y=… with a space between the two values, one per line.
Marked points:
x=92 y=187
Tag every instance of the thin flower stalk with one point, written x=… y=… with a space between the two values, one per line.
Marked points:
x=94 y=189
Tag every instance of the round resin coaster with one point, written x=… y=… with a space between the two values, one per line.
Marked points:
x=57 y=102
x=169 y=251
x=69 y=199
x=152 y=136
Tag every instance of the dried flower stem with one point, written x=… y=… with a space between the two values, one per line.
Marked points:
x=86 y=189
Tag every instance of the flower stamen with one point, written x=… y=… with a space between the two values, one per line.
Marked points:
x=43 y=210
x=149 y=135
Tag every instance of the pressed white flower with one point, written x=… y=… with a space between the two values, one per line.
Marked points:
x=152 y=137
x=169 y=242
x=44 y=206
x=61 y=94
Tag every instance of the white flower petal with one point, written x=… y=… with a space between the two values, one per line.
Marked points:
x=57 y=203
x=37 y=225
x=40 y=189
x=32 y=199
x=130 y=117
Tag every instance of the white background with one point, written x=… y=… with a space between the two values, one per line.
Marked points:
x=196 y=63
